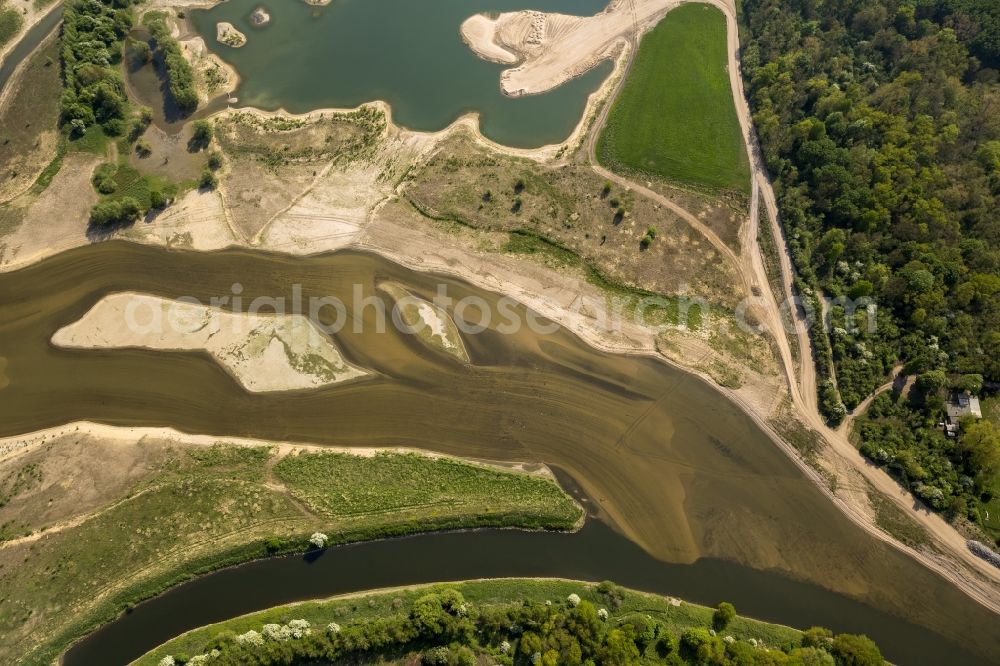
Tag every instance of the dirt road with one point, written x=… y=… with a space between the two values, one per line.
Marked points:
x=967 y=571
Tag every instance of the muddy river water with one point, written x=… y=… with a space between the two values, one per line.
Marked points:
x=669 y=462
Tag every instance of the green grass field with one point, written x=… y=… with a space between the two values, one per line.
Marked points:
x=674 y=117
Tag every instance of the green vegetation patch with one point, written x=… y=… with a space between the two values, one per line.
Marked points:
x=196 y=509
x=675 y=116
x=10 y=23
x=356 y=489
x=179 y=73
x=510 y=621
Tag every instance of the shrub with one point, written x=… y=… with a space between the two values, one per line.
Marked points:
x=157 y=199
x=724 y=613
x=201 y=134
x=143 y=149
x=215 y=161
x=853 y=650
x=208 y=180
x=115 y=213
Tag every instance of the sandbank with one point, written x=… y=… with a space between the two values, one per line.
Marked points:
x=263 y=352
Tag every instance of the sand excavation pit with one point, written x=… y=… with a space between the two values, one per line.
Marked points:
x=554 y=48
x=263 y=352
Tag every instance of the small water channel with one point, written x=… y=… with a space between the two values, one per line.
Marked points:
x=595 y=553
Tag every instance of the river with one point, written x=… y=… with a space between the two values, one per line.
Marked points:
x=668 y=460
x=348 y=53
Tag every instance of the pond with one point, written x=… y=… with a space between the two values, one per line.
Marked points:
x=408 y=53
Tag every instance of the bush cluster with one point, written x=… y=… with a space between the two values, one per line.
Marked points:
x=93 y=91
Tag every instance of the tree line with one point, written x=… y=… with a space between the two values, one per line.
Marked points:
x=442 y=628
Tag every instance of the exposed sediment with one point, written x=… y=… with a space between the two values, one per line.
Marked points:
x=554 y=48
x=263 y=352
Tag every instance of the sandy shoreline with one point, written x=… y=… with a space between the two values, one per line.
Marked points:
x=17 y=444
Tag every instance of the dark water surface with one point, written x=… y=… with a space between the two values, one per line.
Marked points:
x=595 y=553
x=667 y=459
x=408 y=53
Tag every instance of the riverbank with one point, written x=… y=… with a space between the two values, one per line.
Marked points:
x=33 y=14
x=658 y=622
x=150 y=508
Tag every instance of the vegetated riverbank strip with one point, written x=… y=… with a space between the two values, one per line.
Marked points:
x=655 y=617
x=17 y=52
x=259 y=501
x=743 y=477
x=594 y=553
x=14 y=51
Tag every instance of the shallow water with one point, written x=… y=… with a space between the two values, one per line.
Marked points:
x=667 y=459
x=351 y=52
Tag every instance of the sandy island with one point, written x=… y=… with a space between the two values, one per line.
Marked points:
x=554 y=48
x=431 y=324
x=263 y=352
x=226 y=33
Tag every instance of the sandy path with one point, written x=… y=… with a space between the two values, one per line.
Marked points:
x=803 y=391
x=802 y=381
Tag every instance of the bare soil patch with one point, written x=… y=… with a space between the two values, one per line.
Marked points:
x=273 y=160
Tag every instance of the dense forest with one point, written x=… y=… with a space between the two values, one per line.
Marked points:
x=879 y=122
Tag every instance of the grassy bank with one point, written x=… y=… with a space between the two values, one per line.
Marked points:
x=566 y=215
x=675 y=117
x=510 y=621
x=181 y=511
x=10 y=22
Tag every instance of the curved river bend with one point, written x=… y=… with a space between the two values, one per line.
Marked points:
x=669 y=462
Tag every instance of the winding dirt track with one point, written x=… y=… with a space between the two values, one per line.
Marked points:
x=802 y=381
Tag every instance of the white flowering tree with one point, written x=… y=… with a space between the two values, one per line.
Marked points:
x=250 y=638
x=319 y=539
x=574 y=600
